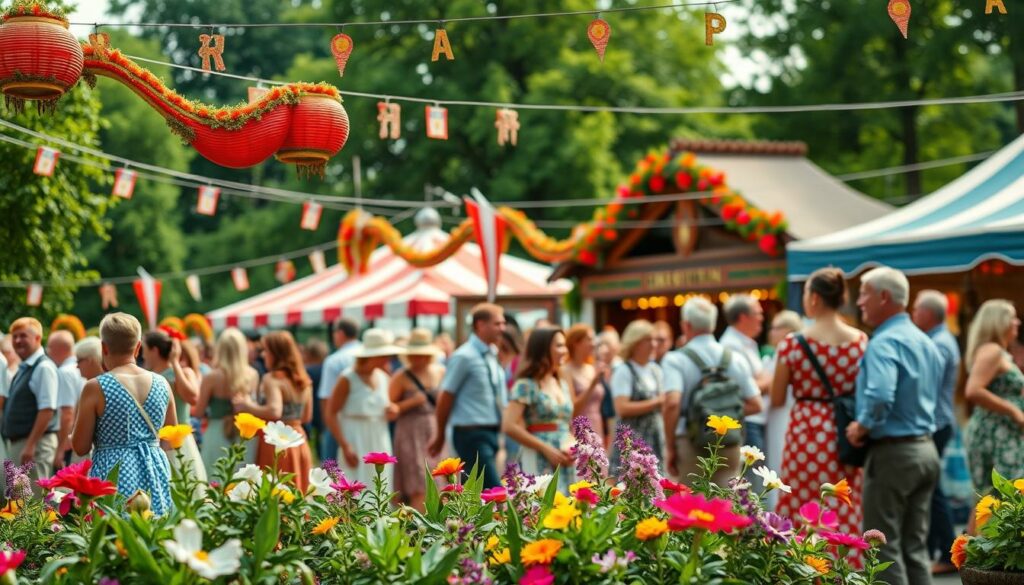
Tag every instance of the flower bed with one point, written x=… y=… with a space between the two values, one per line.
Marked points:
x=251 y=526
x=996 y=553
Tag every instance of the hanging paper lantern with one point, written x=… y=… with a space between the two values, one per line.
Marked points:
x=39 y=58
x=247 y=146
x=319 y=130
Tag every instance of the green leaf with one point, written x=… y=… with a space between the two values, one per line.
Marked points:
x=267 y=531
x=1002 y=485
x=549 y=494
x=515 y=541
x=46 y=576
x=432 y=500
x=139 y=554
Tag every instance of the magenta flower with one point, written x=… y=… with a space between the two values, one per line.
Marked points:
x=585 y=494
x=344 y=486
x=694 y=511
x=452 y=488
x=496 y=494
x=537 y=575
x=11 y=560
x=818 y=517
x=670 y=487
x=839 y=539
x=379 y=459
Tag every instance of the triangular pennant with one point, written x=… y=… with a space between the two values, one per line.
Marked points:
x=194 y=290
x=341 y=48
x=284 y=271
x=489 y=229
x=34 y=295
x=124 y=183
x=46 y=161
x=208 y=196
x=599 y=31
x=147 y=290
x=899 y=12
x=318 y=261
x=240 y=278
x=108 y=296
x=311 y=211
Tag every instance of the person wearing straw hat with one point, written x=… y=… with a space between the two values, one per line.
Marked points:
x=360 y=408
x=413 y=391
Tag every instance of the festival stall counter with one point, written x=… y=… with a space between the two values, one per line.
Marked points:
x=763 y=194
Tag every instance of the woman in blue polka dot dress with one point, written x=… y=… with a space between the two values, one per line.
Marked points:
x=120 y=414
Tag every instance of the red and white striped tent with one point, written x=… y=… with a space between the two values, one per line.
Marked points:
x=390 y=288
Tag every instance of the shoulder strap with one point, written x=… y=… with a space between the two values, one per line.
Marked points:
x=816 y=364
x=634 y=393
x=695 y=359
x=138 y=405
x=422 y=388
x=726 y=359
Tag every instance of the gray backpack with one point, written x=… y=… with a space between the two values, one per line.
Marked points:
x=717 y=394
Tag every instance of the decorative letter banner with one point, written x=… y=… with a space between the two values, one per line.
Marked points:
x=899 y=12
x=208 y=196
x=442 y=45
x=34 y=295
x=147 y=290
x=599 y=32
x=996 y=4
x=489 y=229
x=124 y=183
x=194 y=290
x=284 y=272
x=311 y=211
x=108 y=296
x=341 y=47
x=390 y=117
x=437 y=122
x=714 y=23
x=240 y=278
x=317 y=261
x=206 y=51
x=46 y=161
x=100 y=43
x=507 y=123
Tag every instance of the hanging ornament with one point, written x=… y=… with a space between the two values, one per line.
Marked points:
x=240 y=278
x=124 y=183
x=318 y=261
x=34 y=295
x=390 y=117
x=437 y=122
x=341 y=47
x=995 y=4
x=714 y=23
x=194 y=290
x=147 y=290
x=284 y=271
x=256 y=94
x=507 y=123
x=208 y=196
x=108 y=296
x=46 y=161
x=899 y=12
x=599 y=31
x=442 y=45
x=214 y=51
x=100 y=43
x=311 y=211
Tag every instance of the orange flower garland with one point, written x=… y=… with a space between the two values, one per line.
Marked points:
x=69 y=323
x=197 y=324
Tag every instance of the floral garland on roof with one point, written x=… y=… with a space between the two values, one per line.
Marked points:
x=33 y=8
x=69 y=323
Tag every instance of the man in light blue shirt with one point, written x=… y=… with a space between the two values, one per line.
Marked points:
x=896 y=398
x=60 y=348
x=929 y=315
x=473 y=395
x=346 y=340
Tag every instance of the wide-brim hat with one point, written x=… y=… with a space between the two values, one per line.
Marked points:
x=421 y=342
x=378 y=343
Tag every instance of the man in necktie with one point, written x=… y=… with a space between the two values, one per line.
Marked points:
x=473 y=395
x=29 y=424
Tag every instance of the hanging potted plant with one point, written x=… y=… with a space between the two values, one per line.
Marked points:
x=318 y=131
x=996 y=555
x=40 y=59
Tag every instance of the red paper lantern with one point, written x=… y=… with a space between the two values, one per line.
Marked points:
x=247 y=146
x=39 y=58
x=319 y=130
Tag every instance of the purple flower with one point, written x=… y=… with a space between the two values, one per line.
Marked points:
x=332 y=469
x=469 y=572
x=610 y=561
x=591 y=459
x=638 y=469
x=19 y=484
x=518 y=487
x=775 y=526
x=875 y=537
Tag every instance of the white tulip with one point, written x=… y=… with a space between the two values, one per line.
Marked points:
x=187 y=547
x=320 y=483
x=282 y=436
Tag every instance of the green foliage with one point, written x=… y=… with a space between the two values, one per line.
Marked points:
x=998 y=545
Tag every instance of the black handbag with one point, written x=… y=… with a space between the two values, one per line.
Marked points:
x=845 y=409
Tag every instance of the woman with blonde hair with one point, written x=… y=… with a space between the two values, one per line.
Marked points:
x=231 y=375
x=587 y=377
x=286 y=395
x=995 y=433
x=637 y=387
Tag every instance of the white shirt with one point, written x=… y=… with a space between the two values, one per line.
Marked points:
x=5 y=377
x=69 y=383
x=649 y=375
x=741 y=345
x=342 y=359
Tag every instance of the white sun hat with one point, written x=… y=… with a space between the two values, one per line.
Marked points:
x=377 y=343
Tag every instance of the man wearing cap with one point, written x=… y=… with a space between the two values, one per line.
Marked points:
x=29 y=424
x=473 y=395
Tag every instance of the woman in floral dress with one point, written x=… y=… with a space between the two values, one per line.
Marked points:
x=540 y=407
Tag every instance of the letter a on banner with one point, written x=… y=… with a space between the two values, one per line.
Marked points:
x=147 y=290
x=46 y=161
x=489 y=229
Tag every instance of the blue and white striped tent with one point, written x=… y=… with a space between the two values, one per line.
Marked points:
x=977 y=217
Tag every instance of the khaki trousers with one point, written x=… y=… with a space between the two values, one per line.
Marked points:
x=687 y=455
x=46 y=450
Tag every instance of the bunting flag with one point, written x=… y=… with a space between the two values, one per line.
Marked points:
x=34 y=295
x=194 y=290
x=147 y=290
x=284 y=271
x=599 y=31
x=341 y=48
x=437 y=122
x=240 y=278
x=489 y=229
x=46 y=161
x=108 y=296
x=899 y=12
x=208 y=196
x=124 y=183
x=318 y=261
x=311 y=211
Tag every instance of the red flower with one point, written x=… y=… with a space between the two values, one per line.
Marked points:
x=11 y=560
x=848 y=540
x=537 y=575
x=75 y=477
x=670 y=486
x=172 y=332
x=623 y=192
x=703 y=184
x=730 y=211
x=379 y=459
x=717 y=178
x=452 y=488
x=815 y=515
x=768 y=243
x=743 y=218
x=610 y=234
x=585 y=494
x=684 y=180
x=495 y=494
x=657 y=183
x=587 y=257
x=693 y=511
x=344 y=486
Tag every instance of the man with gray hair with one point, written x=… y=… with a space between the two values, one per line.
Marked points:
x=745 y=317
x=684 y=371
x=89 y=353
x=60 y=347
x=929 y=315
x=896 y=398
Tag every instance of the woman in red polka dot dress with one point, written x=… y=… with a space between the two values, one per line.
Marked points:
x=811 y=457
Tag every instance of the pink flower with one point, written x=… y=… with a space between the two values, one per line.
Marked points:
x=847 y=540
x=585 y=494
x=495 y=494
x=694 y=511
x=671 y=487
x=60 y=478
x=344 y=486
x=818 y=517
x=379 y=459
x=453 y=488
x=537 y=575
x=11 y=560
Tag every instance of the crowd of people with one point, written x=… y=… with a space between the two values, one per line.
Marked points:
x=823 y=404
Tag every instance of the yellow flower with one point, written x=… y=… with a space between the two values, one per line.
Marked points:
x=578 y=485
x=120 y=548
x=561 y=500
x=501 y=557
x=1019 y=484
x=722 y=424
x=651 y=528
x=983 y=511
x=492 y=543
x=10 y=510
x=560 y=517
x=248 y=424
x=51 y=516
x=819 y=565
x=325 y=525
x=175 y=435
x=284 y=493
x=541 y=552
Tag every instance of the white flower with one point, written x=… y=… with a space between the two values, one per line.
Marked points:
x=319 y=483
x=751 y=455
x=187 y=547
x=771 y=479
x=251 y=473
x=282 y=436
x=540 y=483
x=241 y=492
